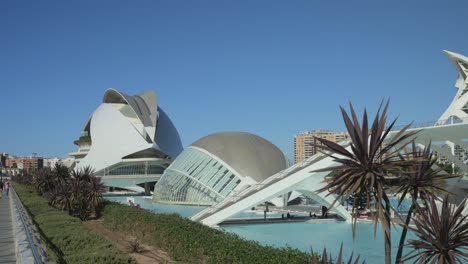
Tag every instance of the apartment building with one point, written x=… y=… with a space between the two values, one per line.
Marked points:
x=25 y=163
x=304 y=143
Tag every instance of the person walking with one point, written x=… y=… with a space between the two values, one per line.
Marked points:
x=1 y=189
x=7 y=187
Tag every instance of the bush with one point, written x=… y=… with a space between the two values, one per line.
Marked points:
x=192 y=242
x=67 y=239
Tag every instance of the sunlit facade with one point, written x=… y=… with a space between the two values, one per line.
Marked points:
x=128 y=137
x=457 y=112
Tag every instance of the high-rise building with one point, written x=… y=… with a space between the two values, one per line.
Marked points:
x=304 y=143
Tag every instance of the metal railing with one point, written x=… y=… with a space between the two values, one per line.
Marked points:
x=450 y=121
x=32 y=237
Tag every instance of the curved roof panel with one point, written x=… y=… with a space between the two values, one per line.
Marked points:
x=144 y=105
x=167 y=137
x=248 y=154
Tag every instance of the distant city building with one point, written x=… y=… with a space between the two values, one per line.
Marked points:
x=304 y=143
x=25 y=163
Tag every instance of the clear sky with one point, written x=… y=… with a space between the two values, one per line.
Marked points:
x=272 y=68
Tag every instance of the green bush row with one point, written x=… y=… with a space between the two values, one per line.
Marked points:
x=192 y=242
x=67 y=239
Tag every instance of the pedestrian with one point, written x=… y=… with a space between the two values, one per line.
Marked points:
x=1 y=189
x=324 y=211
x=7 y=187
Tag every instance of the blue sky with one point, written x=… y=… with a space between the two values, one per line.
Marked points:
x=272 y=68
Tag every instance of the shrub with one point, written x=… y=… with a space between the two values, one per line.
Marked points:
x=67 y=239
x=192 y=242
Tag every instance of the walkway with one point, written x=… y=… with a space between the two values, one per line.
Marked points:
x=7 y=241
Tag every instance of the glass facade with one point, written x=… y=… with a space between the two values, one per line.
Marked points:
x=124 y=169
x=195 y=178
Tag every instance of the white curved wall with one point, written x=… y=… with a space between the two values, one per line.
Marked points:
x=113 y=137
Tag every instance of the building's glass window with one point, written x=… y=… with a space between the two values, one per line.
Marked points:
x=195 y=178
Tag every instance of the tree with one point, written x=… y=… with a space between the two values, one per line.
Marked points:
x=443 y=235
x=86 y=193
x=43 y=181
x=366 y=164
x=423 y=180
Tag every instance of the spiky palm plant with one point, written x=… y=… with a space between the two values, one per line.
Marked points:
x=43 y=181
x=365 y=165
x=325 y=259
x=443 y=235
x=61 y=173
x=95 y=191
x=60 y=196
x=86 y=192
x=423 y=179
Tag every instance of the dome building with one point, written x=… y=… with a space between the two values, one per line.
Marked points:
x=213 y=167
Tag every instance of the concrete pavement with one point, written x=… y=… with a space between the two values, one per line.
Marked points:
x=7 y=240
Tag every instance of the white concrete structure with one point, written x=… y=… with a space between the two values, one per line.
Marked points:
x=451 y=142
x=296 y=178
x=128 y=137
x=211 y=168
x=458 y=110
x=449 y=139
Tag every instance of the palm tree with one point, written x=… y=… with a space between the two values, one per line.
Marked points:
x=443 y=235
x=365 y=166
x=61 y=196
x=61 y=173
x=423 y=179
x=43 y=180
x=86 y=192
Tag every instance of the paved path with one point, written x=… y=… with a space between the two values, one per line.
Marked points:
x=7 y=241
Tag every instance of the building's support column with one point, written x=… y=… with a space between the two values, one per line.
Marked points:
x=147 y=189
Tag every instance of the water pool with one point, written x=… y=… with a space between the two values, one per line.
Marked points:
x=301 y=235
x=147 y=203
x=316 y=235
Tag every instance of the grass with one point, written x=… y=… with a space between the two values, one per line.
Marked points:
x=191 y=242
x=67 y=239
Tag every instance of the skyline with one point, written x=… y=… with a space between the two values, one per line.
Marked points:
x=268 y=68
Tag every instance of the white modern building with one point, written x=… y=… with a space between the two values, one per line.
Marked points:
x=457 y=112
x=128 y=140
x=214 y=167
x=449 y=138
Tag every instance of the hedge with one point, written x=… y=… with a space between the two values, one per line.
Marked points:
x=192 y=242
x=67 y=239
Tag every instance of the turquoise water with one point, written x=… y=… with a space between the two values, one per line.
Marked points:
x=307 y=235
x=302 y=235
x=147 y=203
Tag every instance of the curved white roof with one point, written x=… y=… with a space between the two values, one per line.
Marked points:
x=248 y=154
x=144 y=105
x=126 y=126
